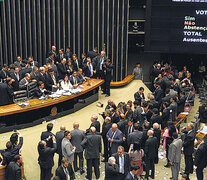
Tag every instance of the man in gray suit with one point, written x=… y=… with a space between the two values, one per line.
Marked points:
x=174 y=155
x=77 y=137
x=24 y=82
x=68 y=149
x=92 y=146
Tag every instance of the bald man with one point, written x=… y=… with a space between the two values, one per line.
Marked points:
x=92 y=146
x=59 y=138
x=150 y=154
x=77 y=137
x=115 y=138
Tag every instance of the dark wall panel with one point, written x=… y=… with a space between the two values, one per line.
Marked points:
x=31 y=27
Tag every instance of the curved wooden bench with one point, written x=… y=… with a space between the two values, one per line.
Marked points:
x=124 y=82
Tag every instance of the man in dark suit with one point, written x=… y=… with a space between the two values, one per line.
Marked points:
x=47 y=135
x=105 y=128
x=157 y=134
x=45 y=158
x=25 y=68
x=114 y=116
x=188 y=145
x=11 y=150
x=128 y=129
x=181 y=103
x=32 y=62
x=77 y=137
x=59 y=57
x=24 y=82
x=50 y=58
x=76 y=62
x=111 y=169
x=59 y=138
x=13 y=170
x=137 y=114
x=92 y=146
x=115 y=138
x=122 y=160
x=107 y=70
x=4 y=73
x=64 y=171
x=83 y=59
x=15 y=75
x=159 y=94
x=201 y=158
x=40 y=90
x=93 y=54
x=74 y=80
x=156 y=118
x=95 y=123
x=7 y=92
x=68 y=53
x=132 y=175
x=150 y=154
x=62 y=71
x=190 y=97
x=89 y=68
x=18 y=62
x=139 y=96
x=128 y=113
x=42 y=75
x=173 y=109
x=135 y=136
x=80 y=76
x=35 y=74
x=52 y=81
x=100 y=61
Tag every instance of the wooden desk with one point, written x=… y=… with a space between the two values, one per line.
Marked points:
x=13 y=115
x=124 y=82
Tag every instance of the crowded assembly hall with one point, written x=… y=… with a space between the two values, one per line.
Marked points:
x=80 y=102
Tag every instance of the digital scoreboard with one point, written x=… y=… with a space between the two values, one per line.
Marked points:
x=176 y=26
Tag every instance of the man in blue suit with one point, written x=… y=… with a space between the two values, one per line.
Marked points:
x=115 y=138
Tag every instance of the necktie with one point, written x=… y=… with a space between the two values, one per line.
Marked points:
x=101 y=64
x=122 y=164
x=126 y=113
x=54 y=80
x=90 y=68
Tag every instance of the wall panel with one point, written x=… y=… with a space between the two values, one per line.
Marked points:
x=31 y=27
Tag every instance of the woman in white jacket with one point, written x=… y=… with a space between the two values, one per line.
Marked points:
x=66 y=84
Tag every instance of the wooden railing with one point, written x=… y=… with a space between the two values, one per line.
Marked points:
x=124 y=82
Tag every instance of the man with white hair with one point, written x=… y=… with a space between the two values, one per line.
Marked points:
x=157 y=134
x=42 y=75
x=111 y=169
x=94 y=123
x=150 y=154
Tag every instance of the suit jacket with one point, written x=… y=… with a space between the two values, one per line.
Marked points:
x=71 y=78
x=59 y=138
x=81 y=78
x=121 y=125
x=203 y=114
x=118 y=139
x=151 y=146
x=67 y=150
x=181 y=104
x=138 y=72
x=111 y=172
x=44 y=137
x=59 y=57
x=138 y=97
x=107 y=72
x=156 y=118
x=174 y=152
x=173 y=111
x=135 y=136
x=42 y=77
x=61 y=174
x=86 y=70
x=157 y=134
x=13 y=171
x=62 y=71
x=188 y=143
x=129 y=114
x=68 y=55
x=34 y=76
x=92 y=146
x=129 y=177
x=137 y=114
x=126 y=161
x=105 y=129
x=92 y=54
x=114 y=118
x=3 y=75
x=96 y=124
x=49 y=81
x=190 y=98
x=75 y=65
x=6 y=94
x=98 y=61
x=15 y=84
x=24 y=71
x=159 y=94
x=77 y=136
x=200 y=156
x=8 y=155
x=45 y=158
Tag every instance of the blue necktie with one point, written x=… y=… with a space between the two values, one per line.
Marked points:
x=122 y=164
x=90 y=69
x=101 y=63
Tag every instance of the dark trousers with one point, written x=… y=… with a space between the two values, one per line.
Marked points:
x=188 y=164
x=150 y=165
x=45 y=174
x=199 y=173
x=76 y=156
x=106 y=149
x=71 y=172
x=122 y=176
x=106 y=87
x=60 y=159
x=95 y=163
